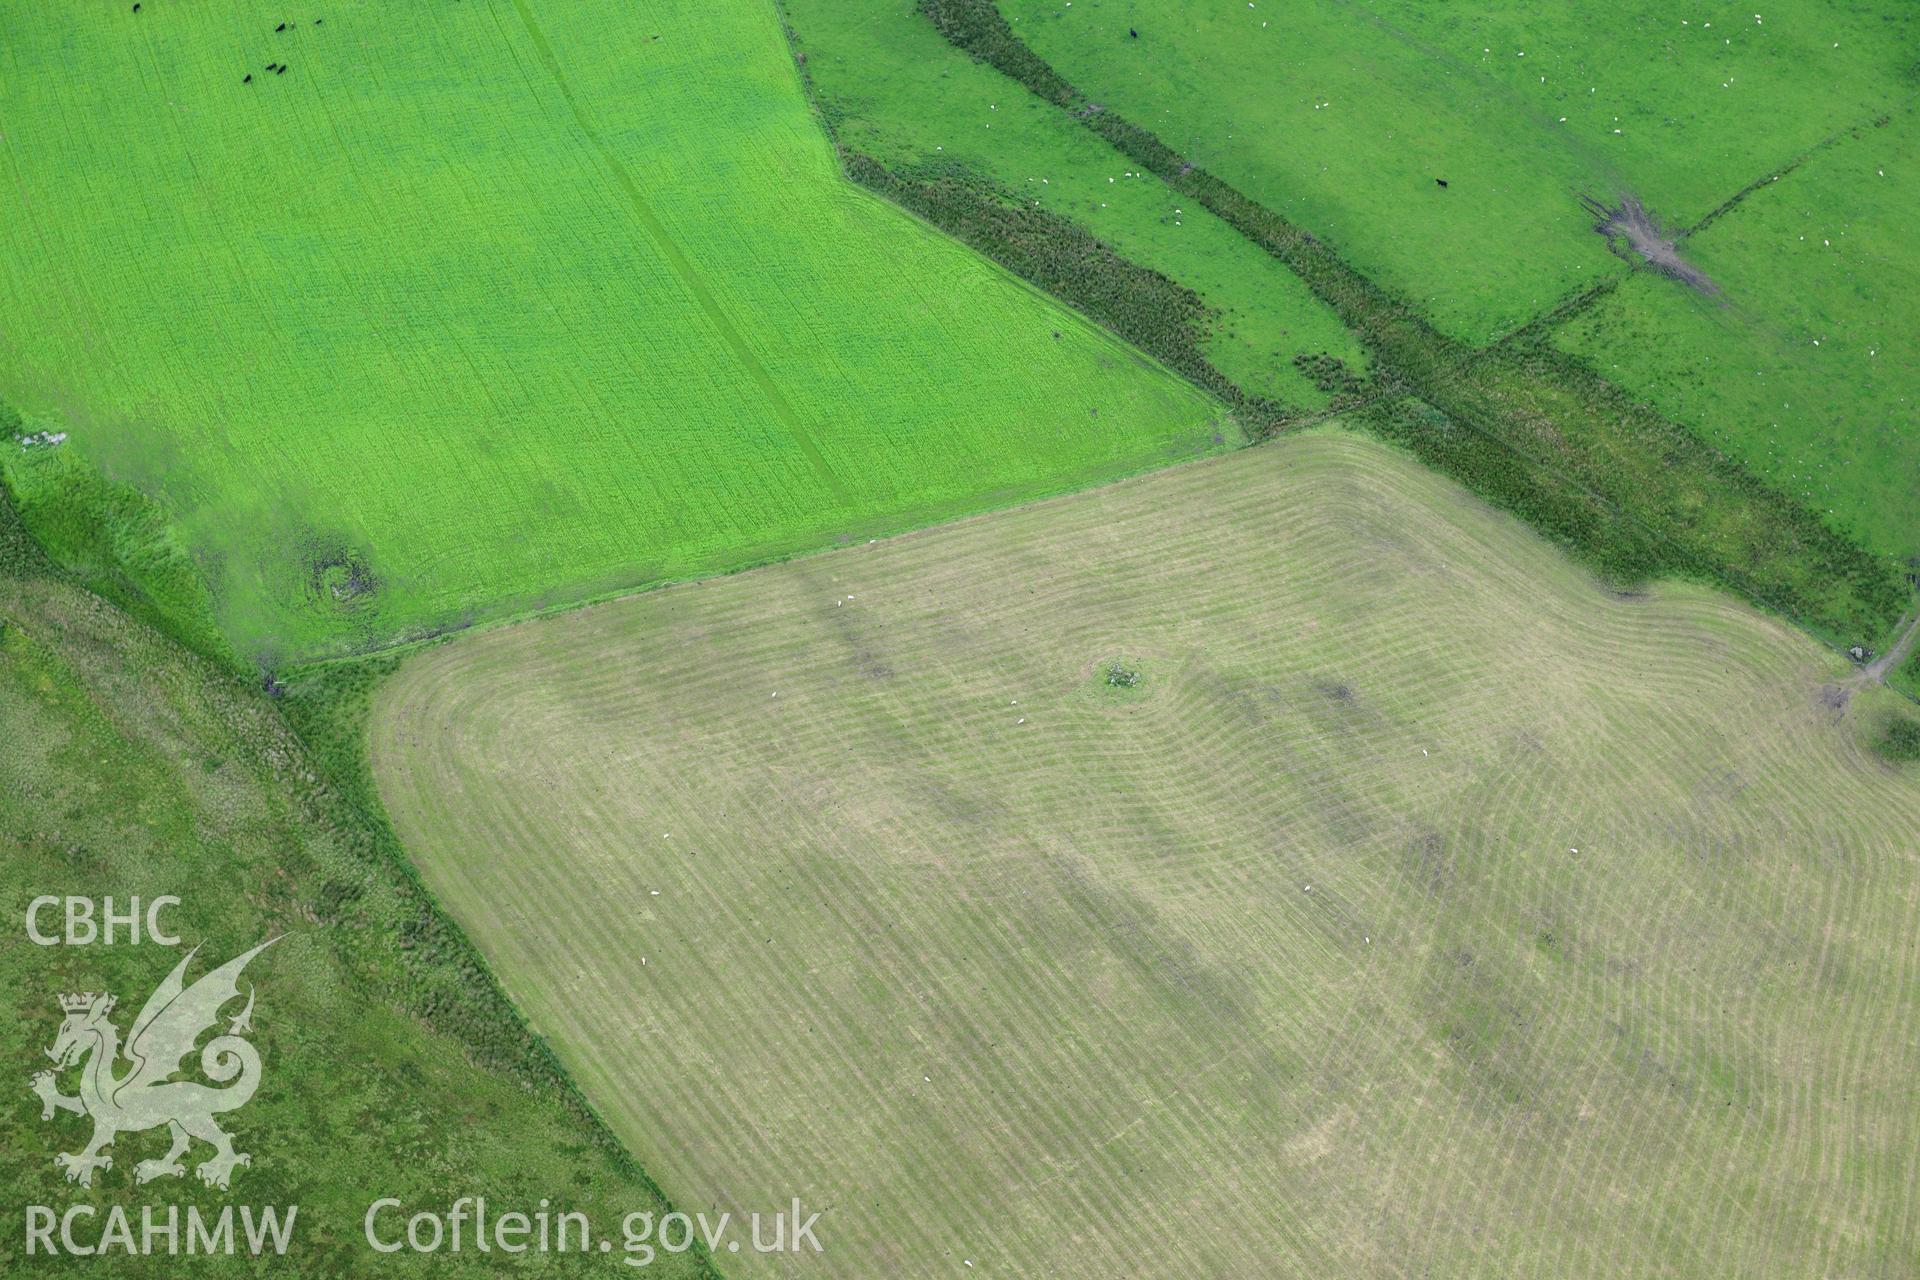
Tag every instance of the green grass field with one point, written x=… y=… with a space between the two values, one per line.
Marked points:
x=1632 y=493
x=392 y=1067
x=895 y=90
x=1340 y=117
x=1412 y=905
x=1807 y=368
x=1286 y=863
x=479 y=308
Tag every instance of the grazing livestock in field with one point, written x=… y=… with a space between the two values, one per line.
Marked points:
x=1134 y=34
x=247 y=79
x=1441 y=181
x=280 y=70
x=281 y=27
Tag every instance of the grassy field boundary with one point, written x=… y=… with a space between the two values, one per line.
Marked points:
x=1694 y=511
x=442 y=977
x=1160 y=316
x=327 y=707
x=113 y=538
x=1734 y=201
x=134 y=528
x=1581 y=299
x=436 y=943
x=1057 y=256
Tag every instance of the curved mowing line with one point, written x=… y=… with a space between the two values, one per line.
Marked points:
x=683 y=268
x=1060 y=986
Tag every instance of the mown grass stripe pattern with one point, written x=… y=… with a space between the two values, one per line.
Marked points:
x=460 y=319
x=1283 y=962
x=683 y=269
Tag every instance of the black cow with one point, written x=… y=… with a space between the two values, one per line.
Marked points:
x=248 y=78
x=1441 y=181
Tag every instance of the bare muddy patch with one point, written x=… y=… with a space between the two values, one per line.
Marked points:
x=1628 y=227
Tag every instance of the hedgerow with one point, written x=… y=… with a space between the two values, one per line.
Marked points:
x=1160 y=316
x=1528 y=427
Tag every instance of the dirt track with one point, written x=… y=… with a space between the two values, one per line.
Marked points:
x=1878 y=670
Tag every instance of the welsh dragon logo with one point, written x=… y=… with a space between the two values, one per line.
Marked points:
x=144 y=1096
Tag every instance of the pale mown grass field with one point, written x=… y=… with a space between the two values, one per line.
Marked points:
x=1423 y=910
